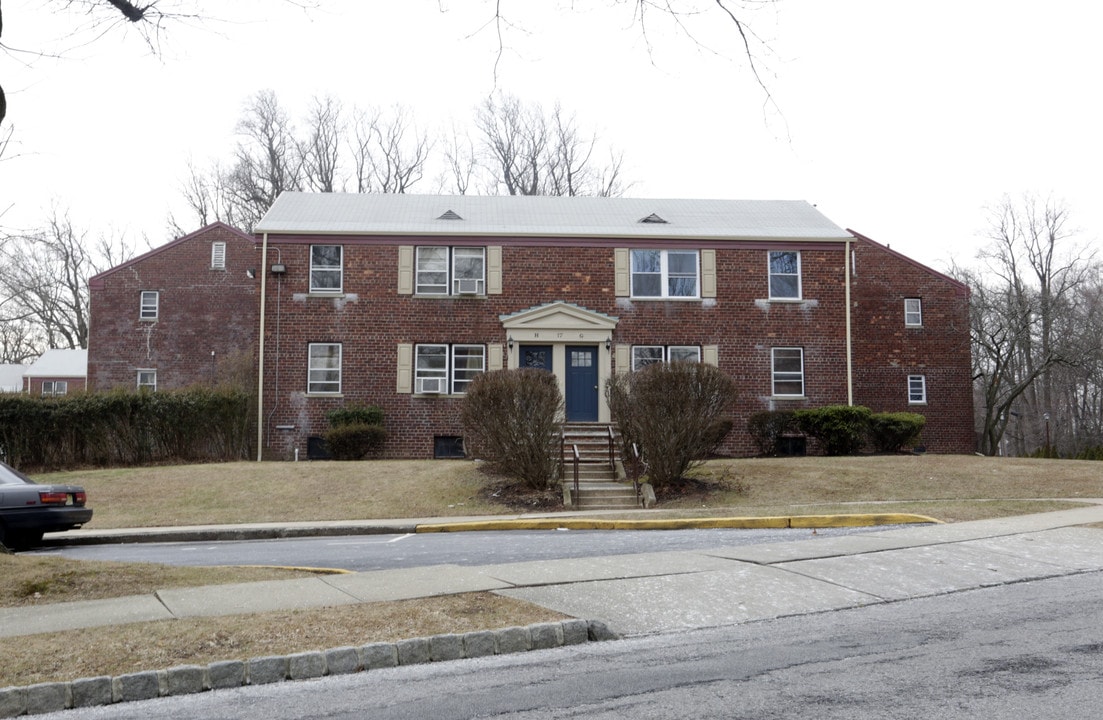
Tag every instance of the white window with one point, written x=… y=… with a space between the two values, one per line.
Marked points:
x=444 y=369
x=450 y=271
x=665 y=274
x=324 y=368
x=784 y=268
x=218 y=256
x=644 y=355
x=917 y=389
x=149 y=305
x=683 y=353
x=325 y=268
x=788 y=372
x=147 y=380
x=913 y=312
x=54 y=387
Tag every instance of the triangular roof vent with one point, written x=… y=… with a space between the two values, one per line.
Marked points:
x=653 y=218
x=450 y=215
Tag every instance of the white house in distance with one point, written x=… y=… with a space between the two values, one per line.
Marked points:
x=11 y=377
x=57 y=372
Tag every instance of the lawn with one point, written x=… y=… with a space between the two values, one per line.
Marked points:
x=950 y=487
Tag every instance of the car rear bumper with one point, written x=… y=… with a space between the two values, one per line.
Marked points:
x=46 y=519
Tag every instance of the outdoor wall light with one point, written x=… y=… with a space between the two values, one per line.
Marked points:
x=509 y=342
x=609 y=343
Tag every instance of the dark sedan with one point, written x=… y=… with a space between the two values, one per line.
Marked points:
x=28 y=509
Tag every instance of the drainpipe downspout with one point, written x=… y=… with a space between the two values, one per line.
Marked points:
x=260 y=347
x=849 y=344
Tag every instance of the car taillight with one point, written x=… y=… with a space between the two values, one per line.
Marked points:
x=53 y=498
x=79 y=498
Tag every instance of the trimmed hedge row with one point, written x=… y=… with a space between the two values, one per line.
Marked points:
x=840 y=429
x=126 y=428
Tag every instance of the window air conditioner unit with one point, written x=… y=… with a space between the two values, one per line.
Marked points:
x=430 y=386
x=469 y=287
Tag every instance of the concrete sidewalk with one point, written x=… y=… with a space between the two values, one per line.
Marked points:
x=661 y=591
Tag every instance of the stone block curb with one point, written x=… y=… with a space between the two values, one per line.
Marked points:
x=188 y=679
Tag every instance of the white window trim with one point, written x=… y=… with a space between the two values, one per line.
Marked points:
x=149 y=310
x=310 y=369
x=774 y=374
x=664 y=275
x=218 y=256
x=770 y=277
x=913 y=317
x=451 y=286
x=921 y=381
x=449 y=371
x=152 y=386
x=665 y=351
x=339 y=269
x=57 y=388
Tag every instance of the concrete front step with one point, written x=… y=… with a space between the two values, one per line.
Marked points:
x=603 y=495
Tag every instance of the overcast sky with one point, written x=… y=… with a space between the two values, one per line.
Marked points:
x=902 y=121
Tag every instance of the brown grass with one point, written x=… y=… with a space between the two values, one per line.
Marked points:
x=156 y=645
x=274 y=492
x=32 y=580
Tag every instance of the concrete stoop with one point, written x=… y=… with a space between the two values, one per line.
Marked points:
x=599 y=488
x=189 y=679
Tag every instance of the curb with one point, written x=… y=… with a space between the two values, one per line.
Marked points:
x=745 y=523
x=189 y=679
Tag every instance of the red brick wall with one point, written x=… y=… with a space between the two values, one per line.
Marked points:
x=372 y=320
x=201 y=310
x=886 y=352
x=33 y=385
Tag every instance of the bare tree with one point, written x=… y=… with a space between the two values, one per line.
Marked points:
x=529 y=153
x=44 y=283
x=389 y=152
x=266 y=162
x=320 y=150
x=459 y=155
x=1027 y=321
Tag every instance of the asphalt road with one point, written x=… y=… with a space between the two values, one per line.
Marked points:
x=381 y=552
x=1026 y=650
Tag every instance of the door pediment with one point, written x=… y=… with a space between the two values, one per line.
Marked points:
x=559 y=317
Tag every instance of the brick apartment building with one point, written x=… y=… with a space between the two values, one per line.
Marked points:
x=182 y=314
x=400 y=300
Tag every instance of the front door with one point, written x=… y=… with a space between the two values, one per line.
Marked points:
x=581 y=383
x=536 y=356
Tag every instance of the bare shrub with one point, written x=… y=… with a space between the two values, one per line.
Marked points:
x=675 y=412
x=511 y=420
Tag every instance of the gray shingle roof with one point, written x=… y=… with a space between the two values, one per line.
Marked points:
x=544 y=216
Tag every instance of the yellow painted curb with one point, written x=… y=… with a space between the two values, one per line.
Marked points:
x=749 y=523
x=315 y=570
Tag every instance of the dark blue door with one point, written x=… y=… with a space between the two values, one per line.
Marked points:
x=581 y=383
x=535 y=356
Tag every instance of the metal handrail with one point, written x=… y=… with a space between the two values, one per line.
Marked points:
x=612 y=450
x=637 y=461
x=577 y=459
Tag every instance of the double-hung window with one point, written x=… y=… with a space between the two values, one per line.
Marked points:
x=54 y=387
x=788 y=372
x=665 y=274
x=447 y=369
x=450 y=271
x=324 y=368
x=326 y=270
x=644 y=355
x=917 y=389
x=913 y=312
x=784 y=266
x=147 y=380
x=149 y=305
